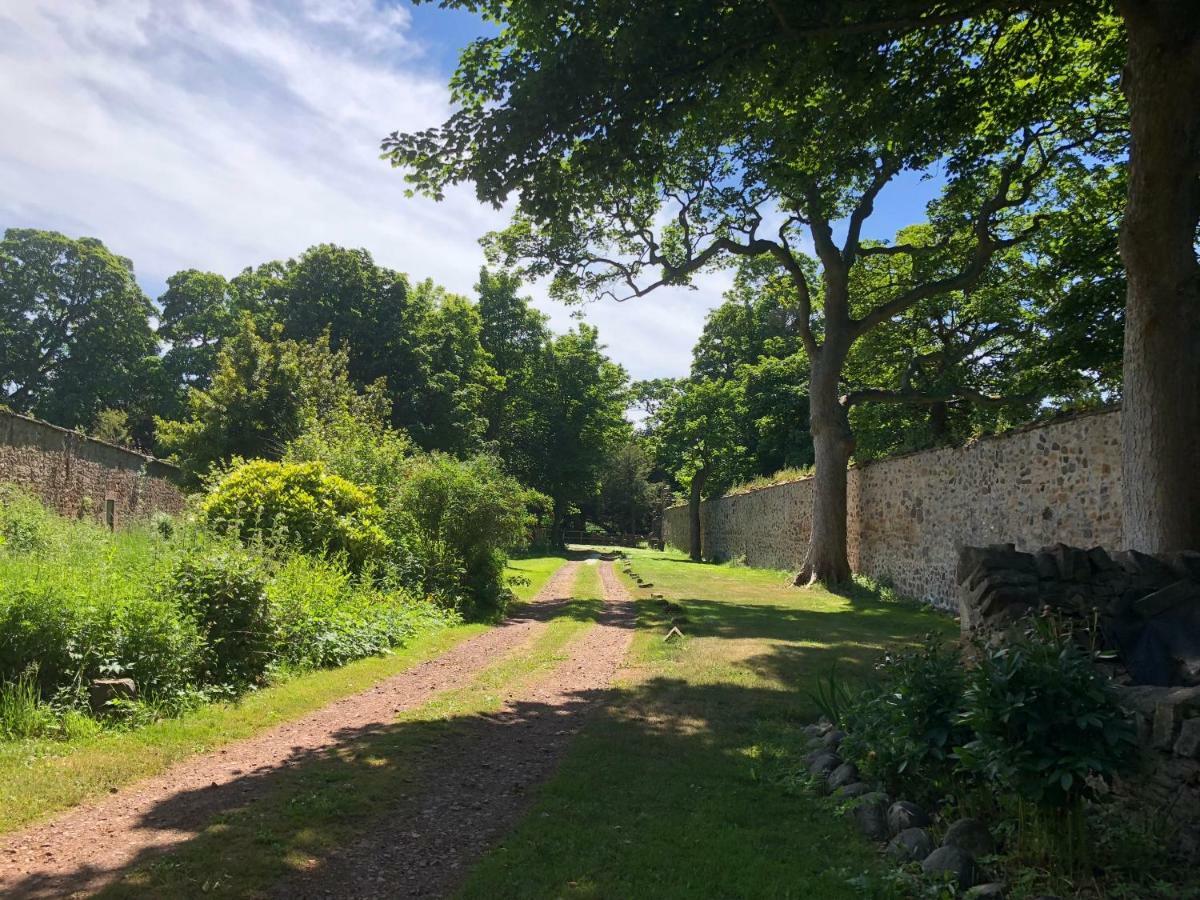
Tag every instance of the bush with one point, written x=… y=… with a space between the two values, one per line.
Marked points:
x=87 y=606
x=902 y=730
x=458 y=519
x=324 y=617
x=22 y=714
x=1046 y=724
x=224 y=592
x=299 y=506
x=25 y=524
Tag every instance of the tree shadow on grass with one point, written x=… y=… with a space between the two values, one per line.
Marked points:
x=405 y=808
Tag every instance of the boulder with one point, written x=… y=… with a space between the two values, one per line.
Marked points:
x=823 y=763
x=869 y=816
x=970 y=835
x=1184 y=591
x=833 y=738
x=954 y=860
x=910 y=845
x=103 y=691
x=845 y=774
x=904 y=814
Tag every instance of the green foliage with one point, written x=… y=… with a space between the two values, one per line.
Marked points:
x=75 y=333
x=25 y=525
x=324 y=616
x=1046 y=725
x=182 y=612
x=264 y=392
x=358 y=445
x=903 y=728
x=457 y=519
x=224 y=592
x=22 y=714
x=300 y=506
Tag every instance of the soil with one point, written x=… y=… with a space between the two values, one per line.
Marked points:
x=470 y=791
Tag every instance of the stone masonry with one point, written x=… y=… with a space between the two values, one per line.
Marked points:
x=84 y=477
x=909 y=515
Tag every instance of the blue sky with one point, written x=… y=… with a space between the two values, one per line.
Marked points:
x=217 y=134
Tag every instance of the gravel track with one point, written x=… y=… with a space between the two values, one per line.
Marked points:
x=89 y=846
x=482 y=778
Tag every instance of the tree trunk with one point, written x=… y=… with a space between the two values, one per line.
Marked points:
x=833 y=442
x=1160 y=420
x=695 y=537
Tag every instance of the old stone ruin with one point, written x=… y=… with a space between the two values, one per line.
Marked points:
x=1143 y=612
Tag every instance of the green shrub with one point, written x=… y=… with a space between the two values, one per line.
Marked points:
x=224 y=592
x=300 y=506
x=902 y=729
x=22 y=714
x=1046 y=724
x=457 y=519
x=325 y=617
x=25 y=525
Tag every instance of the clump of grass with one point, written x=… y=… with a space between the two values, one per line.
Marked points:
x=22 y=714
x=783 y=476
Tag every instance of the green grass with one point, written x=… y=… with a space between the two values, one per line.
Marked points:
x=40 y=777
x=679 y=788
x=331 y=798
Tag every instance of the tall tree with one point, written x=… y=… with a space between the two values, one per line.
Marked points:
x=697 y=433
x=648 y=145
x=75 y=335
x=197 y=313
x=264 y=392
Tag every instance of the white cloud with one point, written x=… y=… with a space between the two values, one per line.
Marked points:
x=222 y=133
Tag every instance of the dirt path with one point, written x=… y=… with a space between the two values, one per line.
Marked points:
x=479 y=784
x=88 y=846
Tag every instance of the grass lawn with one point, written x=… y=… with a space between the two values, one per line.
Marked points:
x=679 y=788
x=40 y=777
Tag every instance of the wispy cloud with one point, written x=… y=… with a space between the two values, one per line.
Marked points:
x=223 y=133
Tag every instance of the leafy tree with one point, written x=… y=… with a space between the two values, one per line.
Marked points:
x=564 y=419
x=264 y=392
x=197 y=312
x=451 y=414
x=75 y=334
x=648 y=145
x=697 y=433
x=626 y=495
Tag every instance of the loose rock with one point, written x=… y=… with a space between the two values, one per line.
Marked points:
x=858 y=789
x=823 y=763
x=955 y=860
x=104 y=690
x=869 y=815
x=904 y=814
x=833 y=739
x=846 y=773
x=970 y=835
x=911 y=844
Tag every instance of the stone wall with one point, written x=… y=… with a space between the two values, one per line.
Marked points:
x=909 y=515
x=80 y=476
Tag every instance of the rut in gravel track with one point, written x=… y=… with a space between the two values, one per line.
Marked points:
x=478 y=780
x=90 y=845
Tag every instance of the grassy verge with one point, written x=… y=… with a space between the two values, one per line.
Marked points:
x=680 y=788
x=330 y=799
x=40 y=777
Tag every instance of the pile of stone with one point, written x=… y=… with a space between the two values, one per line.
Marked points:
x=905 y=828
x=1147 y=607
x=1147 y=612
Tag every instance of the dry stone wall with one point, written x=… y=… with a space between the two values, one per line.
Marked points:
x=80 y=476
x=909 y=515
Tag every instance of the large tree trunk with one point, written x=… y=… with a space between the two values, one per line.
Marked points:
x=833 y=442
x=1161 y=404
x=695 y=536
